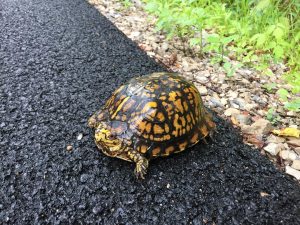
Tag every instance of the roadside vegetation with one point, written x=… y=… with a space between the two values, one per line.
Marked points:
x=257 y=33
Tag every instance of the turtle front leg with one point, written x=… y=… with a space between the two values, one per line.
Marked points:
x=141 y=163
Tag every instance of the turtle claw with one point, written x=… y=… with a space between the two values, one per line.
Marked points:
x=141 y=169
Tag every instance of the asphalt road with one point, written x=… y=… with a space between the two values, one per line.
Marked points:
x=59 y=61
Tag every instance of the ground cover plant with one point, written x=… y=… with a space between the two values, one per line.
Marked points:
x=255 y=33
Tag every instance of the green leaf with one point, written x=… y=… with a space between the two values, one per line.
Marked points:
x=293 y=105
x=214 y=38
x=278 y=33
x=195 y=41
x=279 y=52
x=283 y=93
x=229 y=39
x=270 y=87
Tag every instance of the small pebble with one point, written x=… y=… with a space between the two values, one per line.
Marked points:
x=69 y=148
x=80 y=136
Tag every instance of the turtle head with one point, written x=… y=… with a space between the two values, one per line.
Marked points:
x=109 y=140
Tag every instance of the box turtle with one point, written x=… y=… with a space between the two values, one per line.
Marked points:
x=151 y=116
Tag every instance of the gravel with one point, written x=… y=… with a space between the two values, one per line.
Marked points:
x=59 y=61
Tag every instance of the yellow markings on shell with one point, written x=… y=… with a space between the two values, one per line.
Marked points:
x=169 y=150
x=167 y=129
x=156 y=151
x=168 y=108
x=151 y=137
x=188 y=117
x=148 y=127
x=142 y=126
x=175 y=133
x=100 y=116
x=175 y=123
x=185 y=106
x=186 y=90
x=157 y=129
x=160 y=117
x=153 y=113
x=193 y=119
x=109 y=101
x=195 y=138
x=183 y=121
x=129 y=104
x=143 y=148
x=182 y=145
x=119 y=107
x=148 y=106
x=188 y=128
x=178 y=105
x=158 y=139
x=172 y=96
x=163 y=98
x=178 y=93
x=167 y=137
x=118 y=90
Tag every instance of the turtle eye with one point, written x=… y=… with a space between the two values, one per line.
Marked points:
x=111 y=137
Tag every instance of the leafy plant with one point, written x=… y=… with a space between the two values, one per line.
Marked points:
x=255 y=32
x=272 y=116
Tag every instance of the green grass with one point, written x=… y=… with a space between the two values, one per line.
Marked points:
x=255 y=32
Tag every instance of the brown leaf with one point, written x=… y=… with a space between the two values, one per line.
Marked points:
x=252 y=139
x=173 y=59
x=234 y=121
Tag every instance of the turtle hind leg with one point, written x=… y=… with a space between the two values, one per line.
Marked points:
x=141 y=163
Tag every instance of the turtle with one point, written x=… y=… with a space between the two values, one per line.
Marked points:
x=151 y=116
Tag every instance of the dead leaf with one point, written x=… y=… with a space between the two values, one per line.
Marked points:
x=234 y=121
x=288 y=132
x=252 y=139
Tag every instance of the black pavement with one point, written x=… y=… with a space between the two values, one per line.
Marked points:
x=59 y=61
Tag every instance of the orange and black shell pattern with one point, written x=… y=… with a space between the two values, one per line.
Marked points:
x=161 y=113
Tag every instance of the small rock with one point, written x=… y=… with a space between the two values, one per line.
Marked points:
x=224 y=101
x=259 y=127
x=244 y=72
x=240 y=102
x=275 y=139
x=165 y=46
x=201 y=79
x=84 y=178
x=264 y=194
x=168 y=185
x=232 y=94
x=288 y=155
x=69 y=148
x=134 y=34
x=294 y=141
x=231 y=112
x=243 y=119
x=215 y=102
x=273 y=148
x=80 y=136
x=297 y=150
x=97 y=209
x=296 y=164
x=202 y=90
x=291 y=171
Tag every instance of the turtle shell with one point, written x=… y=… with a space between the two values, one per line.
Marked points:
x=161 y=114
